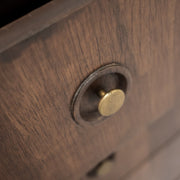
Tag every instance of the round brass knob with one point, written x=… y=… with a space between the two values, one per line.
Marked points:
x=110 y=102
x=104 y=168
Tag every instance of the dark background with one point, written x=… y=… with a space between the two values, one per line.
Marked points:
x=13 y=9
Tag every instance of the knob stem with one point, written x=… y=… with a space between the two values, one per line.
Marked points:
x=102 y=93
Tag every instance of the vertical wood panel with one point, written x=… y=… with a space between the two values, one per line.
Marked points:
x=39 y=76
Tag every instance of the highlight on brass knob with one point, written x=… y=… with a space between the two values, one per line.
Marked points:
x=110 y=102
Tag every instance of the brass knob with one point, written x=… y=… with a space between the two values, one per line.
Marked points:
x=110 y=102
x=104 y=168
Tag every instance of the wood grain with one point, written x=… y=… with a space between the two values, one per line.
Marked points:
x=39 y=76
x=143 y=142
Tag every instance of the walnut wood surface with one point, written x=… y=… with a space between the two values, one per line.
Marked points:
x=39 y=76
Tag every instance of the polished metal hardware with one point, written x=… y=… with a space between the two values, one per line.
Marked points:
x=110 y=102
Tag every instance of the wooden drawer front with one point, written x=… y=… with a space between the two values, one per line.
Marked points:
x=39 y=76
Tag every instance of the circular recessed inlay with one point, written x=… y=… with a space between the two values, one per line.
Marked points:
x=101 y=94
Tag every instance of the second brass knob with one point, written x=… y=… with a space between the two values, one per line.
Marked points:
x=110 y=102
